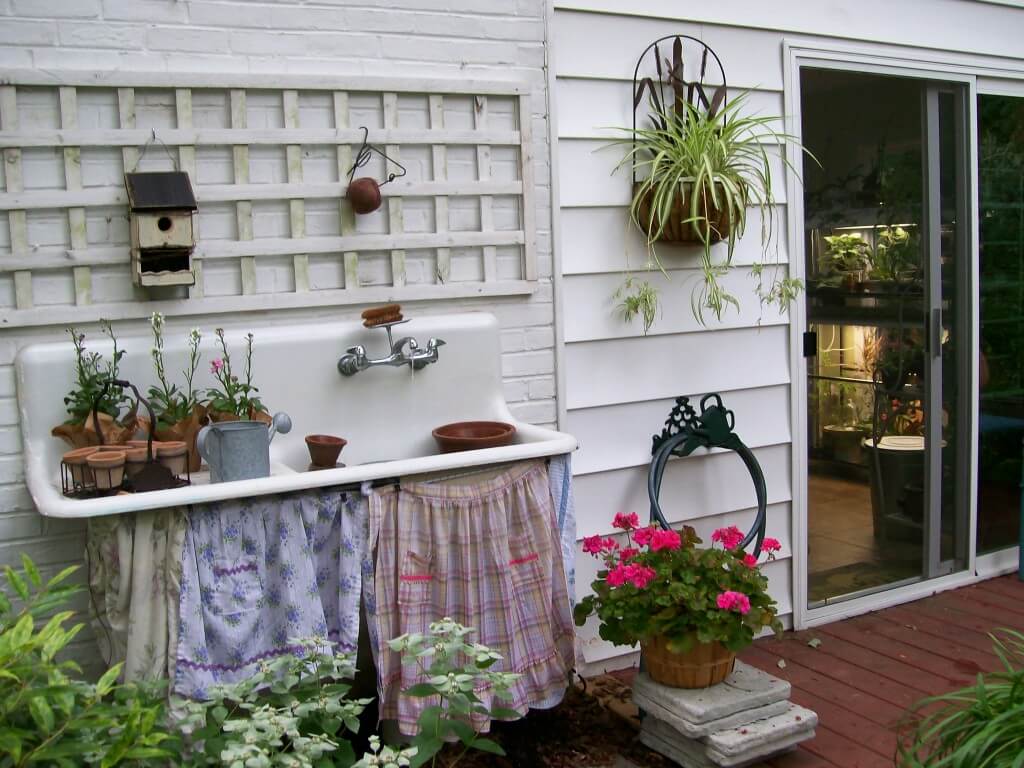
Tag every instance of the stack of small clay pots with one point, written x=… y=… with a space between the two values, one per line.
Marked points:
x=104 y=467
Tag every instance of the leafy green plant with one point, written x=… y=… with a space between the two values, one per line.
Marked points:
x=663 y=584
x=170 y=404
x=638 y=298
x=714 y=157
x=291 y=712
x=92 y=372
x=386 y=756
x=897 y=254
x=235 y=396
x=47 y=716
x=456 y=670
x=980 y=726
x=846 y=254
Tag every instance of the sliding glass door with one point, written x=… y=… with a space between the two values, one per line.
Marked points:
x=885 y=228
x=1001 y=288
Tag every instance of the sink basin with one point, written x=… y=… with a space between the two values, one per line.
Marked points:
x=386 y=414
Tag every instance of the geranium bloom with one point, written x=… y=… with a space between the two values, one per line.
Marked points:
x=595 y=545
x=730 y=537
x=734 y=601
x=637 y=575
x=642 y=536
x=664 y=540
x=626 y=522
x=771 y=545
x=749 y=560
x=629 y=553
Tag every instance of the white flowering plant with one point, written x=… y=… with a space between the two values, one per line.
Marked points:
x=454 y=670
x=292 y=712
x=170 y=404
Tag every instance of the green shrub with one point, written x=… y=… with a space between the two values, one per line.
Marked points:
x=47 y=716
x=980 y=726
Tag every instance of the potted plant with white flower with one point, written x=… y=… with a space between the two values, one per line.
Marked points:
x=180 y=413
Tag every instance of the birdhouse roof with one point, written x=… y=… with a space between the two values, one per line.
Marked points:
x=160 y=190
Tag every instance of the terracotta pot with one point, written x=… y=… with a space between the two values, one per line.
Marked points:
x=174 y=456
x=107 y=468
x=704 y=665
x=324 y=449
x=364 y=195
x=135 y=459
x=186 y=431
x=675 y=230
x=78 y=465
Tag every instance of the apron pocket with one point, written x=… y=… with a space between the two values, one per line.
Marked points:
x=416 y=579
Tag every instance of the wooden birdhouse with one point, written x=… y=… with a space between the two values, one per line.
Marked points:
x=163 y=227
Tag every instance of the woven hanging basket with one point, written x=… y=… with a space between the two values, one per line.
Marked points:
x=704 y=665
x=675 y=230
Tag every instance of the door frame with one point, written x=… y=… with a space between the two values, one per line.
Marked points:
x=885 y=61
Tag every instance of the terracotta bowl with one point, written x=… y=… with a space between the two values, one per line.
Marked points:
x=324 y=449
x=471 y=435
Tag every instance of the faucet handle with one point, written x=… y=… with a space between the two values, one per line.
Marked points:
x=433 y=344
x=359 y=350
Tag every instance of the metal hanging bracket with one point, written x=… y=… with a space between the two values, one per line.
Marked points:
x=685 y=431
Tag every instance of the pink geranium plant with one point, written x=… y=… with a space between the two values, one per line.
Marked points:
x=660 y=582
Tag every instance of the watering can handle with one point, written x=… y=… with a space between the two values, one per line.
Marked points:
x=201 y=439
x=280 y=423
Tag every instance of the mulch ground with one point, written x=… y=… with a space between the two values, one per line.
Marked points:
x=594 y=727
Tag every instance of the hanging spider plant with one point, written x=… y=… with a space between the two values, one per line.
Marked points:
x=700 y=167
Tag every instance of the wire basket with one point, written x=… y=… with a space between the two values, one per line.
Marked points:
x=79 y=480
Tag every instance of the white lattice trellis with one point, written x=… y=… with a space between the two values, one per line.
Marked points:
x=269 y=158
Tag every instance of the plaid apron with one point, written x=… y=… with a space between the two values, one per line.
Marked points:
x=486 y=554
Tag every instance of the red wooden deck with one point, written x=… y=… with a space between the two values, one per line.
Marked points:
x=868 y=670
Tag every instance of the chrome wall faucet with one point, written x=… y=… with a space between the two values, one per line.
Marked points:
x=404 y=351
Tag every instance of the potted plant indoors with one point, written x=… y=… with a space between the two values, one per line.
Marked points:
x=690 y=608
x=699 y=166
x=846 y=260
x=179 y=413
x=235 y=399
x=92 y=372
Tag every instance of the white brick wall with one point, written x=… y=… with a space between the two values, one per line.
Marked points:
x=487 y=39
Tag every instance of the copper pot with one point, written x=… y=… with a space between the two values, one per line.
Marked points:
x=364 y=195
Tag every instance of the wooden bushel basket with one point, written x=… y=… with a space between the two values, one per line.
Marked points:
x=704 y=665
x=675 y=230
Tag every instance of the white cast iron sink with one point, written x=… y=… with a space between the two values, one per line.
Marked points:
x=385 y=413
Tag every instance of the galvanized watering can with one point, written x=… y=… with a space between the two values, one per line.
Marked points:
x=239 y=450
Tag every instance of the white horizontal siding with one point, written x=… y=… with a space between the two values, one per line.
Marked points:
x=655 y=367
x=606 y=47
x=943 y=25
x=702 y=485
x=593 y=108
x=620 y=384
x=596 y=239
x=619 y=435
x=596 y=313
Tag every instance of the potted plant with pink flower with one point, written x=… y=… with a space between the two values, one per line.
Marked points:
x=691 y=608
x=235 y=399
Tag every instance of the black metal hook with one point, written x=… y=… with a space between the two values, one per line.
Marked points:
x=363 y=157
